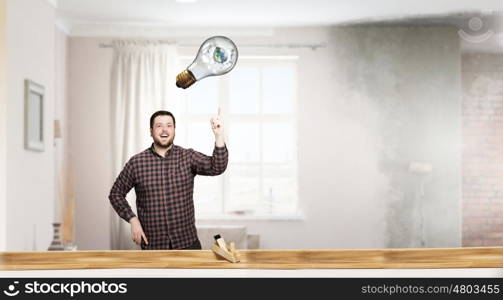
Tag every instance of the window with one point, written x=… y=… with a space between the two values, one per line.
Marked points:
x=258 y=103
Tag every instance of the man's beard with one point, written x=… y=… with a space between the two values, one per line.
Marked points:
x=167 y=144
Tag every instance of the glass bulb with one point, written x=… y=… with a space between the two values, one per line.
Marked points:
x=216 y=56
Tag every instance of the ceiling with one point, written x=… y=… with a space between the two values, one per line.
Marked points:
x=135 y=17
x=261 y=12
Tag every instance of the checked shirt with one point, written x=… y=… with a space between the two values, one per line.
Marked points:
x=164 y=193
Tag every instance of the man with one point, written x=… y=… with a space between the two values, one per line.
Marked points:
x=163 y=178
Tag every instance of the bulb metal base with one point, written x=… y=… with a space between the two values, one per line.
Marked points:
x=185 y=79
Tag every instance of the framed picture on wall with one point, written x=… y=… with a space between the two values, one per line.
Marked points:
x=34 y=116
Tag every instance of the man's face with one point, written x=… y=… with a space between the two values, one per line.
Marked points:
x=163 y=131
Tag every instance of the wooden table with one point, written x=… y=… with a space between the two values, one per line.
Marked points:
x=487 y=260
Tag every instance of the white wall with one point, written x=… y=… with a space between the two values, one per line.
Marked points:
x=348 y=197
x=402 y=86
x=3 y=130
x=30 y=188
x=90 y=140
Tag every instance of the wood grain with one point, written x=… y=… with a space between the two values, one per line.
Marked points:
x=476 y=257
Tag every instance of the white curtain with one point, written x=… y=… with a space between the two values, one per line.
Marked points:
x=143 y=81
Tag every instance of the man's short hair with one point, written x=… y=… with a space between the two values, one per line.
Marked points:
x=161 y=113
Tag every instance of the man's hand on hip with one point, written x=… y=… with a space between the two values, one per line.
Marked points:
x=137 y=231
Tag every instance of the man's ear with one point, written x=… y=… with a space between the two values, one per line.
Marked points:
x=151 y=132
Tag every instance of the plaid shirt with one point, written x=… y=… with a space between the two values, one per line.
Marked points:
x=164 y=188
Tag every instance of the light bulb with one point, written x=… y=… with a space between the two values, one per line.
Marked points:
x=216 y=56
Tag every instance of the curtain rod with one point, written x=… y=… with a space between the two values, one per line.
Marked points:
x=291 y=45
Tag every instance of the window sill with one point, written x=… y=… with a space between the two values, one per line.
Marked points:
x=288 y=217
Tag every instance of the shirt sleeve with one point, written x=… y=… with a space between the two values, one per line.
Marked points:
x=209 y=165
x=123 y=184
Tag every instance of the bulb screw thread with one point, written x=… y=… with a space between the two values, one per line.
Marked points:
x=185 y=79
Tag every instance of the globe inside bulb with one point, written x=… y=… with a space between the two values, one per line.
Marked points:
x=219 y=55
x=216 y=56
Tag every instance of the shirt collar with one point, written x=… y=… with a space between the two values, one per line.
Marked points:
x=152 y=149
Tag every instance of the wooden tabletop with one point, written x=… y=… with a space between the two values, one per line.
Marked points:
x=424 y=258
